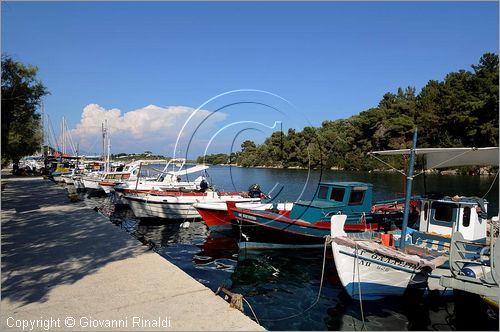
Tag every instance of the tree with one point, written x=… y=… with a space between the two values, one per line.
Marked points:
x=461 y=110
x=21 y=96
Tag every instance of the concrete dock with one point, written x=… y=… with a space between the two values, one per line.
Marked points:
x=66 y=267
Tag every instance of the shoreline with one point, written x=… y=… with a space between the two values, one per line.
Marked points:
x=482 y=171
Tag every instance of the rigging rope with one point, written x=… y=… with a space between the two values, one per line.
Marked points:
x=387 y=164
x=444 y=162
x=491 y=186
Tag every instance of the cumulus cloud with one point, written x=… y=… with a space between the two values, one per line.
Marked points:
x=151 y=127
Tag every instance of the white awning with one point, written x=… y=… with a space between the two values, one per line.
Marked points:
x=451 y=157
x=194 y=169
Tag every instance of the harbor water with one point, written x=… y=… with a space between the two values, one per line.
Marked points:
x=282 y=286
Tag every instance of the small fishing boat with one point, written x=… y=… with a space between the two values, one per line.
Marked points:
x=308 y=222
x=373 y=266
x=376 y=266
x=74 y=175
x=60 y=170
x=91 y=180
x=216 y=215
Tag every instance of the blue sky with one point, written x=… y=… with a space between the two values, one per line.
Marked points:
x=331 y=60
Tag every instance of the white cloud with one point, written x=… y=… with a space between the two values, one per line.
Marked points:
x=152 y=127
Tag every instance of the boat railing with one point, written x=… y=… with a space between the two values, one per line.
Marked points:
x=473 y=262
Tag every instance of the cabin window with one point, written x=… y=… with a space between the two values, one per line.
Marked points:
x=466 y=218
x=337 y=194
x=322 y=192
x=426 y=210
x=356 y=197
x=443 y=212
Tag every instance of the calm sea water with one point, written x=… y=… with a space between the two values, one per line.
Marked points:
x=282 y=285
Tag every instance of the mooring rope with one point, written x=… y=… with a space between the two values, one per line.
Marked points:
x=327 y=241
x=253 y=312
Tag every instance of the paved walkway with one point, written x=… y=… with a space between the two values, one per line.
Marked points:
x=62 y=259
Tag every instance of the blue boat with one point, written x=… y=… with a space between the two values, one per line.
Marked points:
x=308 y=223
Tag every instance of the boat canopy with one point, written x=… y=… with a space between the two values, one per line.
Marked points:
x=194 y=169
x=451 y=157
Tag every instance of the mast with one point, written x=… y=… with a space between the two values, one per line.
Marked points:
x=409 y=181
x=106 y=146
x=42 y=141
x=103 y=130
x=63 y=136
x=108 y=150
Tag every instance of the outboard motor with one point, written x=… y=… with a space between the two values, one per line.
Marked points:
x=254 y=191
x=203 y=185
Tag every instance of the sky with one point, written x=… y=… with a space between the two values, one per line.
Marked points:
x=146 y=67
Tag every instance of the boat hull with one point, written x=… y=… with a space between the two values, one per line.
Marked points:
x=277 y=228
x=167 y=210
x=378 y=279
x=370 y=270
x=217 y=215
x=91 y=184
x=215 y=218
x=268 y=227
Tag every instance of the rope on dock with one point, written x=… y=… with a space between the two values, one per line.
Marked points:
x=236 y=300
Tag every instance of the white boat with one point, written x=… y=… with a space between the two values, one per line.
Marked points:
x=92 y=179
x=74 y=174
x=369 y=269
x=170 y=178
x=179 y=204
x=107 y=180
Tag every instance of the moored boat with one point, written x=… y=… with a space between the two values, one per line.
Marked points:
x=369 y=269
x=169 y=179
x=178 y=204
x=308 y=222
x=216 y=215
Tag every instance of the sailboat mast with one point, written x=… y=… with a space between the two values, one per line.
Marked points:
x=103 y=145
x=108 y=150
x=42 y=141
x=409 y=181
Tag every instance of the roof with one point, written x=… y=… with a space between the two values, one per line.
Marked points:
x=346 y=183
x=451 y=157
x=321 y=204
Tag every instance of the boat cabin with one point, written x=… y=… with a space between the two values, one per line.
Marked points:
x=335 y=198
x=116 y=176
x=444 y=216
